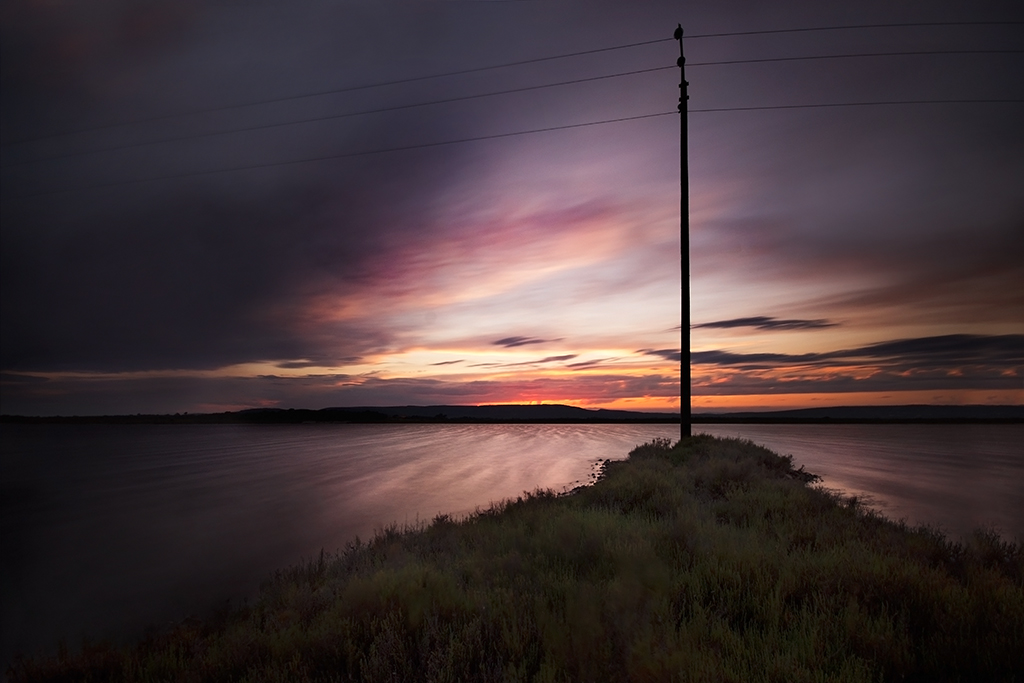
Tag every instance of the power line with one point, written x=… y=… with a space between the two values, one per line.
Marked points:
x=400 y=107
x=523 y=62
x=331 y=157
x=856 y=54
x=403 y=148
x=917 y=24
x=330 y=117
x=879 y=103
x=334 y=91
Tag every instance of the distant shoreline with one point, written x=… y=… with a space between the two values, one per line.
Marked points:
x=552 y=414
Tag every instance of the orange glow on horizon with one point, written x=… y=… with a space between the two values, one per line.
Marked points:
x=769 y=402
x=652 y=404
x=766 y=402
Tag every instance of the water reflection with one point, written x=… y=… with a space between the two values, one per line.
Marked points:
x=955 y=477
x=107 y=529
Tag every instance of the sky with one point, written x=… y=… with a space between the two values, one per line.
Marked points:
x=228 y=205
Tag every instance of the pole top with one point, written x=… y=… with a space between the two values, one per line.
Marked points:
x=678 y=35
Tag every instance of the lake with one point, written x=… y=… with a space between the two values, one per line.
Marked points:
x=956 y=477
x=109 y=528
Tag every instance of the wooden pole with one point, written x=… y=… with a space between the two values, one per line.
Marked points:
x=684 y=247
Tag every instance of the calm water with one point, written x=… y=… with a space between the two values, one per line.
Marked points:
x=954 y=477
x=106 y=529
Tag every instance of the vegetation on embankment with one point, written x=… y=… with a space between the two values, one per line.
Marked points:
x=711 y=561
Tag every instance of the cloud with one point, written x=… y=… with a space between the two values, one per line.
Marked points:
x=213 y=269
x=448 y=362
x=556 y=359
x=200 y=279
x=1005 y=349
x=767 y=323
x=667 y=354
x=911 y=255
x=959 y=361
x=512 y=342
x=549 y=359
x=591 y=363
x=306 y=363
x=947 y=350
x=751 y=360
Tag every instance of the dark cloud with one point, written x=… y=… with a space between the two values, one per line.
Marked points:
x=942 y=363
x=556 y=359
x=1002 y=351
x=298 y=364
x=998 y=350
x=938 y=241
x=591 y=363
x=971 y=275
x=511 y=342
x=915 y=209
x=767 y=323
x=549 y=359
x=208 y=270
x=883 y=382
x=53 y=49
x=667 y=354
x=448 y=362
x=751 y=361
x=200 y=282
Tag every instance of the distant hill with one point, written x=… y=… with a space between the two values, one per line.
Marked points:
x=445 y=413
x=370 y=414
x=513 y=412
x=549 y=413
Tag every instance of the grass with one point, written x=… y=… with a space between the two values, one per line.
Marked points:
x=714 y=560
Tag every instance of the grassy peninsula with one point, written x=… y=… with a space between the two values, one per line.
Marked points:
x=714 y=560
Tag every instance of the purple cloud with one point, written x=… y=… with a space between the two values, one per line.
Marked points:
x=950 y=350
x=511 y=342
x=667 y=354
x=762 y=322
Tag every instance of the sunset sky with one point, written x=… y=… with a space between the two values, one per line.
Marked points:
x=178 y=235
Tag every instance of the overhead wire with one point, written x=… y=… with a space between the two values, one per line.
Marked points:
x=330 y=117
x=331 y=157
x=877 y=103
x=766 y=60
x=536 y=60
x=914 y=24
x=399 y=107
x=525 y=89
x=353 y=88
x=495 y=136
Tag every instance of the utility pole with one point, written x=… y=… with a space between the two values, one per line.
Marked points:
x=684 y=248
